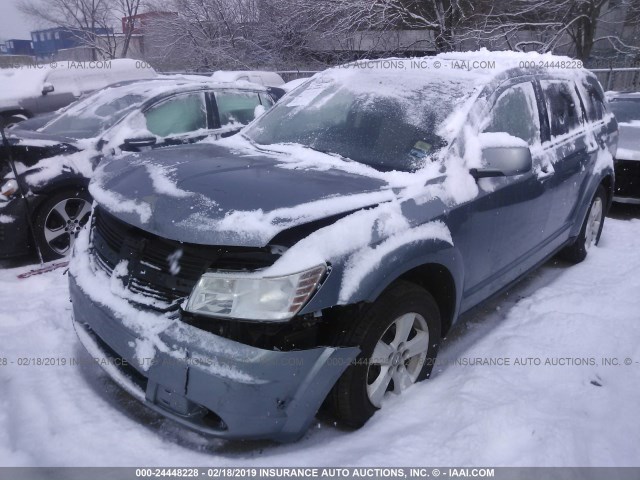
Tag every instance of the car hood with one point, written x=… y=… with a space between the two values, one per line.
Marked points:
x=21 y=137
x=209 y=194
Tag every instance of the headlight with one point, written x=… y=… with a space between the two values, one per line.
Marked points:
x=8 y=189
x=252 y=297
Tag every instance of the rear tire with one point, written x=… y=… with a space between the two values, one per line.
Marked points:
x=590 y=231
x=398 y=336
x=58 y=221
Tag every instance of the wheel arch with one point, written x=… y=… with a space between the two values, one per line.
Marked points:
x=59 y=187
x=608 y=182
x=434 y=265
x=439 y=282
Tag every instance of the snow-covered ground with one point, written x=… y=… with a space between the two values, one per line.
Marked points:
x=518 y=415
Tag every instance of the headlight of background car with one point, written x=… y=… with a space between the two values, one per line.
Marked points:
x=251 y=297
x=8 y=189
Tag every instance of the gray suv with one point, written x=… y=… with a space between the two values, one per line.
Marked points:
x=319 y=257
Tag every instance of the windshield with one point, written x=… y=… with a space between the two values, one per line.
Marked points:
x=387 y=119
x=626 y=110
x=95 y=114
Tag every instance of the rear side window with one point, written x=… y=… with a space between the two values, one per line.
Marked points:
x=516 y=113
x=594 y=101
x=563 y=106
x=236 y=107
x=178 y=115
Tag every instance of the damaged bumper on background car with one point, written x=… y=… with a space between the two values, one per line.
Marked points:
x=230 y=390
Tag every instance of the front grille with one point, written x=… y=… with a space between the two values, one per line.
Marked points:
x=150 y=271
x=627 y=178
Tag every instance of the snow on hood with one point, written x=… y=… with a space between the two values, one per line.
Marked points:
x=206 y=194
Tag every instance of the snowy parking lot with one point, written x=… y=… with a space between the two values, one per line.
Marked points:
x=547 y=374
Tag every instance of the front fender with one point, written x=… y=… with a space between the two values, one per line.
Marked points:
x=391 y=266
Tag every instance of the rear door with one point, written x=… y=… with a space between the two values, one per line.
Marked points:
x=567 y=152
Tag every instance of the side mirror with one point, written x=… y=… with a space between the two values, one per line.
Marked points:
x=47 y=88
x=503 y=156
x=139 y=142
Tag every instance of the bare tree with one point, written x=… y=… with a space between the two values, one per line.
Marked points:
x=341 y=18
x=127 y=9
x=571 y=26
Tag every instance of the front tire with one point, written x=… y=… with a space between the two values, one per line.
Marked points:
x=591 y=229
x=398 y=336
x=58 y=221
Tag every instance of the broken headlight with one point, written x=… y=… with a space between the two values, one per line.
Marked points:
x=250 y=296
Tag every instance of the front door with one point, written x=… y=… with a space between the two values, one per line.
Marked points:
x=505 y=230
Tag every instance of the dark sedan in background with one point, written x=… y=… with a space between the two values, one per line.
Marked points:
x=55 y=162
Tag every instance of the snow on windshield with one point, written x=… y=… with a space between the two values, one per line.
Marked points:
x=385 y=118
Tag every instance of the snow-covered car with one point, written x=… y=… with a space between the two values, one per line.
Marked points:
x=321 y=255
x=626 y=108
x=56 y=161
x=32 y=90
x=268 y=79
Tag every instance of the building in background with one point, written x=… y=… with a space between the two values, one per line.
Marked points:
x=47 y=43
x=16 y=46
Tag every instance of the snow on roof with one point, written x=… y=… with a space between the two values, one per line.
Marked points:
x=150 y=88
x=479 y=67
x=27 y=81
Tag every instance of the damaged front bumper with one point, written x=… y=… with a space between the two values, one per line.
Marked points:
x=215 y=386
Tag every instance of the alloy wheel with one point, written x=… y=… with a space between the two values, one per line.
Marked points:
x=398 y=357
x=63 y=222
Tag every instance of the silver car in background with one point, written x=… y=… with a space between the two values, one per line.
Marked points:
x=626 y=108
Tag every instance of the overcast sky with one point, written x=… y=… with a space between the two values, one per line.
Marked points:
x=12 y=23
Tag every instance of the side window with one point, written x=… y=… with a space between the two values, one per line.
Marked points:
x=236 y=107
x=181 y=114
x=594 y=103
x=563 y=106
x=516 y=113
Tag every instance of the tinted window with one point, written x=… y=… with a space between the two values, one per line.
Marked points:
x=594 y=103
x=563 y=106
x=236 y=107
x=516 y=113
x=182 y=114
